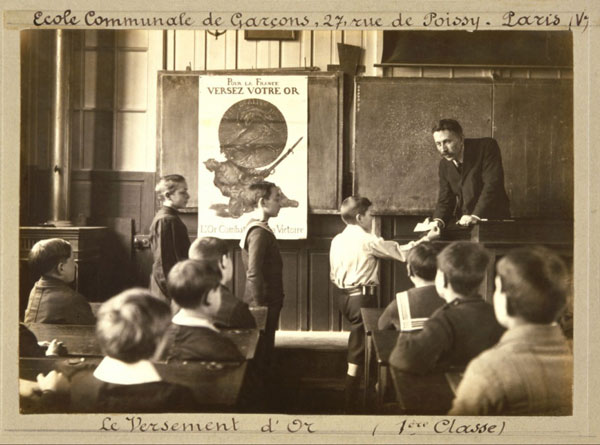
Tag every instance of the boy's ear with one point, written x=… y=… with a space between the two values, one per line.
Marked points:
x=446 y=283
x=409 y=270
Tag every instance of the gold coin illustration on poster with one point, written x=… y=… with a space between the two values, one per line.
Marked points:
x=251 y=129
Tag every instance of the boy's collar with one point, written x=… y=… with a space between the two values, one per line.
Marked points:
x=112 y=370
x=189 y=317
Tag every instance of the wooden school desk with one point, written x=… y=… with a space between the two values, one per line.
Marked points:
x=80 y=340
x=429 y=394
x=370 y=317
x=258 y=312
x=216 y=385
x=383 y=344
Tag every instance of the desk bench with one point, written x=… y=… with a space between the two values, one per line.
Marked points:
x=80 y=340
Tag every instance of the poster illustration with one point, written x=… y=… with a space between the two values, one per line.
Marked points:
x=251 y=129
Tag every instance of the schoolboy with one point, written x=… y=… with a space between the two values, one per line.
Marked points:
x=463 y=327
x=263 y=263
x=530 y=370
x=129 y=329
x=421 y=267
x=354 y=267
x=192 y=334
x=51 y=299
x=231 y=312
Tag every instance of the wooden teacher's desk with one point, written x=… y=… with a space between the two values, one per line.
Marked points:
x=499 y=236
x=80 y=340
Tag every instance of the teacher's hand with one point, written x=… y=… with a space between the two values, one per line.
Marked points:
x=467 y=220
x=434 y=233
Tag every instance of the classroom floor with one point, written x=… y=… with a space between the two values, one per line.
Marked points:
x=314 y=366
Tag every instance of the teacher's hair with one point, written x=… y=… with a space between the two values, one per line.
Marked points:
x=448 y=124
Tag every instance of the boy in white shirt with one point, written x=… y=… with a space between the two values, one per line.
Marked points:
x=354 y=268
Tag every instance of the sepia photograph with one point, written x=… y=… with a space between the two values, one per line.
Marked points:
x=359 y=227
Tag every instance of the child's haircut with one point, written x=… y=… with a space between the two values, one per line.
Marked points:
x=189 y=282
x=131 y=324
x=168 y=184
x=46 y=254
x=261 y=189
x=422 y=260
x=463 y=264
x=208 y=248
x=352 y=206
x=535 y=281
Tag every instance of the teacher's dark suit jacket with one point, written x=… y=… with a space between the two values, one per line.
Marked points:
x=479 y=190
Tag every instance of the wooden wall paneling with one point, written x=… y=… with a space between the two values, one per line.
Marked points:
x=323 y=43
x=533 y=123
x=395 y=160
x=199 y=50
x=170 y=49
x=132 y=85
x=111 y=194
x=231 y=50
x=267 y=54
x=373 y=45
x=246 y=52
x=321 y=317
x=216 y=52
x=185 y=41
x=353 y=37
x=291 y=53
x=292 y=280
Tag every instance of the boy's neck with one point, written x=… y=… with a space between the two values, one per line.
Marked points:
x=420 y=282
x=53 y=276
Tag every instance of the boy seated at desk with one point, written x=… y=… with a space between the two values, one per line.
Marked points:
x=52 y=300
x=231 y=312
x=463 y=327
x=192 y=334
x=420 y=301
x=129 y=328
x=530 y=370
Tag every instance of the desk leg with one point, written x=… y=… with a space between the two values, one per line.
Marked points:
x=367 y=369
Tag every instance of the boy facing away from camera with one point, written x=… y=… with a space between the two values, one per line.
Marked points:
x=51 y=299
x=462 y=328
x=530 y=370
x=231 y=312
x=421 y=266
x=192 y=334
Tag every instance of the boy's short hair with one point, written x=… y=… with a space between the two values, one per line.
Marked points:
x=535 y=281
x=422 y=260
x=448 y=124
x=46 y=254
x=189 y=282
x=168 y=184
x=464 y=265
x=208 y=248
x=131 y=324
x=259 y=190
x=352 y=206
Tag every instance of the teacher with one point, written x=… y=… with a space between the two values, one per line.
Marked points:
x=471 y=178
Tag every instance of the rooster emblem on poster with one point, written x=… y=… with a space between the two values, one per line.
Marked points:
x=252 y=135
